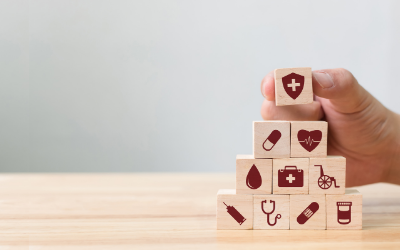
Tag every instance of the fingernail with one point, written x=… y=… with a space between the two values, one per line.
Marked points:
x=262 y=89
x=324 y=79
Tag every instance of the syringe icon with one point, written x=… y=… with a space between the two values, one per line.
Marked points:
x=235 y=214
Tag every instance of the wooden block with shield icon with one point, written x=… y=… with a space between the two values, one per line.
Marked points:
x=271 y=139
x=253 y=176
x=293 y=86
x=344 y=211
x=307 y=212
x=327 y=175
x=234 y=211
x=271 y=211
x=309 y=139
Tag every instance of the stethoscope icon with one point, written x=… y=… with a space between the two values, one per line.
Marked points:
x=273 y=209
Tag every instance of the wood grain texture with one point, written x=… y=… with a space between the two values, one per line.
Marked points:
x=281 y=208
x=333 y=166
x=262 y=130
x=297 y=150
x=243 y=165
x=351 y=195
x=282 y=98
x=241 y=204
x=278 y=165
x=163 y=211
x=298 y=205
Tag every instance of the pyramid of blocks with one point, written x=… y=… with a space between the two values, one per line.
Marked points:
x=290 y=182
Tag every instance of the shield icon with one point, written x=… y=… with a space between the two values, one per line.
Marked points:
x=293 y=84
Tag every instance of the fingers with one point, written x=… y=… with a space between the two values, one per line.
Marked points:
x=306 y=112
x=268 y=86
x=339 y=85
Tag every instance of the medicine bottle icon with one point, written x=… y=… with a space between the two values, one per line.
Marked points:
x=343 y=212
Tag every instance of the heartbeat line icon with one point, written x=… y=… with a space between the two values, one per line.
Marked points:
x=309 y=141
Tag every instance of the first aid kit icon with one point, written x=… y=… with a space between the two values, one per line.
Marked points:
x=290 y=177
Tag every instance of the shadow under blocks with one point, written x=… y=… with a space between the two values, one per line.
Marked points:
x=289 y=182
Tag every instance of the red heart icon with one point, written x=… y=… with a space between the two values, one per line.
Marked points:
x=309 y=139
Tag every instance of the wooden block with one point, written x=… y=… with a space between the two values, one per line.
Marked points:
x=271 y=139
x=307 y=212
x=253 y=176
x=327 y=175
x=278 y=208
x=290 y=176
x=309 y=139
x=344 y=211
x=234 y=211
x=293 y=86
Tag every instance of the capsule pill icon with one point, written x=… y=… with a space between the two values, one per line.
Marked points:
x=271 y=140
x=307 y=213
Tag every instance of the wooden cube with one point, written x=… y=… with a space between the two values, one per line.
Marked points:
x=271 y=139
x=271 y=212
x=327 y=175
x=234 y=211
x=344 y=211
x=307 y=212
x=253 y=176
x=290 y=176
x=293 y=86
x=309 y=139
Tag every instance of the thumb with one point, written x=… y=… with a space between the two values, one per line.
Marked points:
x=342 y=89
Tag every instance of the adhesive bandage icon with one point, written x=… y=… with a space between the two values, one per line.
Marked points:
x=271 y=140
x=308 y=213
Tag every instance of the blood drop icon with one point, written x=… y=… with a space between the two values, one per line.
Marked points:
x=253 y=179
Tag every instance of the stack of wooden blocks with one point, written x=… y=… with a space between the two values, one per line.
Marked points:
x=290 y=182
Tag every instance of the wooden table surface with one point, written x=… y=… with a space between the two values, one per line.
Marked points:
x=162 y=211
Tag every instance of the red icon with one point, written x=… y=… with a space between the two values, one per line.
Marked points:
x=307 y=213
x=309 y=139
x=235 y=214
x=271 y=140
x=344 y=212
x=278 y=216
x=324 y=181
x=290 y=177
x=293 y=84
x=253 y=179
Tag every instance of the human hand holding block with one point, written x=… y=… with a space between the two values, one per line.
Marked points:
x=360 y=128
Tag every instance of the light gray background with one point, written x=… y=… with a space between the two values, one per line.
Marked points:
x=169 y=85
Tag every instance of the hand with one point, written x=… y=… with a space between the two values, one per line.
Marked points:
x=360 y=128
